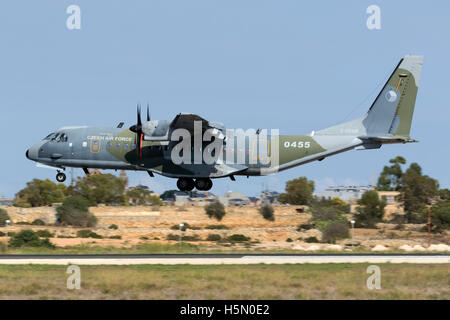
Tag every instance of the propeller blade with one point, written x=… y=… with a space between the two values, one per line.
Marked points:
x=139 y=138
x=139 y=122
x=148 y=112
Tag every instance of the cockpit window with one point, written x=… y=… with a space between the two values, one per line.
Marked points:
x=50 y=136
x=62 y=138
x=57 y=137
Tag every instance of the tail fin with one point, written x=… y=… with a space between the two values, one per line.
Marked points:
x=391 y=113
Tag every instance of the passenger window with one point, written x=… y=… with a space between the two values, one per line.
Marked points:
x=133 y=146
x=117 y=145
x=125 y=145
x=109 y=144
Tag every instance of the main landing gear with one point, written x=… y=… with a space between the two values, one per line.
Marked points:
x=188 y=184
x=60 y=176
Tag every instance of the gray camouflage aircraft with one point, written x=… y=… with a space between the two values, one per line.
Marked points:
x=154 y=146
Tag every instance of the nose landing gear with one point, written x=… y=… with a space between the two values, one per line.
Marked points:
x=60 y=177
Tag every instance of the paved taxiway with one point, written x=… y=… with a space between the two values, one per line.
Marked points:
x=202 y=259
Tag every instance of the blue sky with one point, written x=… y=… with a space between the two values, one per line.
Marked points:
x=297 y=66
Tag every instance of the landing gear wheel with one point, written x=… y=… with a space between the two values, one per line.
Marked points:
x=209 y=186
x=60 y=177
x=203 y=184
x=185 y=184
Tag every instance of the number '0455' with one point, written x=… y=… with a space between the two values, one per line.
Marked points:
x=297 y=144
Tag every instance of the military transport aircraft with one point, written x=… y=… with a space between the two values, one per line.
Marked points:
x=154 y=145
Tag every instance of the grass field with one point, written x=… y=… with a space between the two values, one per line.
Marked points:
x=174 y=248
x=325 y=281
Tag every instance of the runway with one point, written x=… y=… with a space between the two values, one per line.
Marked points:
x=217 y=259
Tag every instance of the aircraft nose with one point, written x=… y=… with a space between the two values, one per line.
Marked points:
x=32 y=153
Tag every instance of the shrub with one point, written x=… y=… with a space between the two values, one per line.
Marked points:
x=88 y=234
x=75 y=212
x=113 y=226
x=335 y=231
x=44 y=233
x=215 y=210
x=214 y=237
x=3 y=217
x=184 y=238
x=29 y=238
x=2 y=234
x=238 y=238
x=115 y=237
x=143 y=238
x=267 y=212
x=171 y=236
x=217 y=227
x=289 y=240
x=190 y=238
x=183 y=228
x=23 y=223
x=38 y=222
x=311 y=240
x=306 y=226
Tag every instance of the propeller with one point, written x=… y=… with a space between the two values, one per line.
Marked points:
x=138 y=129
x=148 y=112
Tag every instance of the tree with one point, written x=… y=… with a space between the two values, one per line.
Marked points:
x=140 y=196
x=444 y=194
x=168 y=194
x=215 y=210
x=325 y=213
x=418 y=189
x=39 y=193
x=370 y=211
x=101 y=188
x=298 y=192
x=75 y=212
x=334 y=231
x=267 y=212
x=391 y=176
x=337 y=203
x=440 y=215
x=3 y=217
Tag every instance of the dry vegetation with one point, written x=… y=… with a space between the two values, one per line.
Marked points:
x=149 y=226
x=328 y=281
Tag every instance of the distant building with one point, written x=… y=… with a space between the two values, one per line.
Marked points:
x=124 y=177
x=234 y=199
x=202 y=198
x=6 y=202
x=393 y=202
x=346 y=193
x=269 y=197
x=181 y=198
